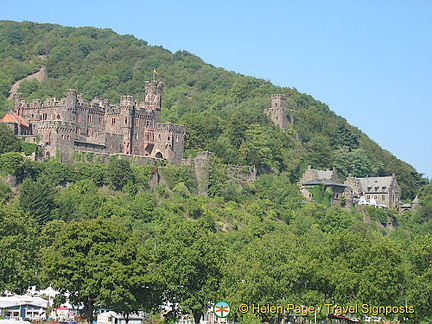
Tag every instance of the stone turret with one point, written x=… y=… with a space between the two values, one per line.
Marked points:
x=153 y=97
x=277 y=112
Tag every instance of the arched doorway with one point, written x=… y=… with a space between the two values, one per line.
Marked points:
x=159 y=155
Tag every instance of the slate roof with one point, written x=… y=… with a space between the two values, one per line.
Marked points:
x=375 y=184
x=321 y=174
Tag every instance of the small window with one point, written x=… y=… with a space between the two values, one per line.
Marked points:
x=383 y=197
x=89 y=118
x=126 y=120
x=136 y=122
x=147 y=123
x=113 y=121
x=78 y=131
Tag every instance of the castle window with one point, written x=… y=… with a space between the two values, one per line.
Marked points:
x=177 y=138
x=383 y=197
x=113 y=121
x=159 y=137
x=136 y=122
x=68 y=137
x=58 y=116
x=89 y=132
x=78 y=117
x=375 y=197
x=78 y=131
x=147 y=123
x=62 y=136
x=126 y=121
x=169 y=138
x=367 y=196
x=89 y=118
x=100 y=120
x=136 y=136
x=44 y=116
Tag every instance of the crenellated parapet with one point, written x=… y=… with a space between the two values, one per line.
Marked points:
x=131 y=127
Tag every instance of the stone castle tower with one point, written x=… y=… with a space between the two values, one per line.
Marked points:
x=277 y=111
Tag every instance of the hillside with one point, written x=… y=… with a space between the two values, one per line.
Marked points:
x=130 y=237
x=222 y=110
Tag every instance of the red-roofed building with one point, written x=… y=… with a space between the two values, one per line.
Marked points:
x=17 y=123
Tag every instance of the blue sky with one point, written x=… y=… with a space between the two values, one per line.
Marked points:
x=369 y=61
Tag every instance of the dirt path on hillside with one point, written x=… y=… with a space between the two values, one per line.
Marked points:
x=40 y=75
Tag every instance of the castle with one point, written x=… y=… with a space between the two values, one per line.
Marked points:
x=72 y=124
x=277 y=111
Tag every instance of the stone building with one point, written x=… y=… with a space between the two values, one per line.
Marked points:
x=327 y=178
x=72 y=124
x=277 y=111
x=374 y=191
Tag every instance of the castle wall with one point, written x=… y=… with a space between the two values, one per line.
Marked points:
x=132 y=127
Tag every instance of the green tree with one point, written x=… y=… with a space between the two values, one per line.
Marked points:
x=38 y=199
x=99 y=262
x=189 y=258
x=119 y=173
x=355 y=162
x=420 y=284
x=18 y=250
x=345 y=138
x=8 y=141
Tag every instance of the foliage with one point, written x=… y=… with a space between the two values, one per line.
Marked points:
x=37 y=198
x=321 y=194
x=119 y=173
x=189 y=256
x=97 y=261
x=378 y=214
x=18 y=250
x=8 y=141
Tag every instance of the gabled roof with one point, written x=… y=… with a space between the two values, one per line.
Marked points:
x=321 y=174
x=375 y=184
x=13 y=118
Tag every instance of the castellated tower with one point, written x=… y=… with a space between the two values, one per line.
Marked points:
x=127 y=113
x=153 y=97
x=277 y=112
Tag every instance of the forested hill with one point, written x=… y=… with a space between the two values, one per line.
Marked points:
x=222 y=110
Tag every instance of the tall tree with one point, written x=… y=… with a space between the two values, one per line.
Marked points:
x=18 y=250
x=8 y=141
x=37 y=198
x=190 y=258
x=98 y=262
